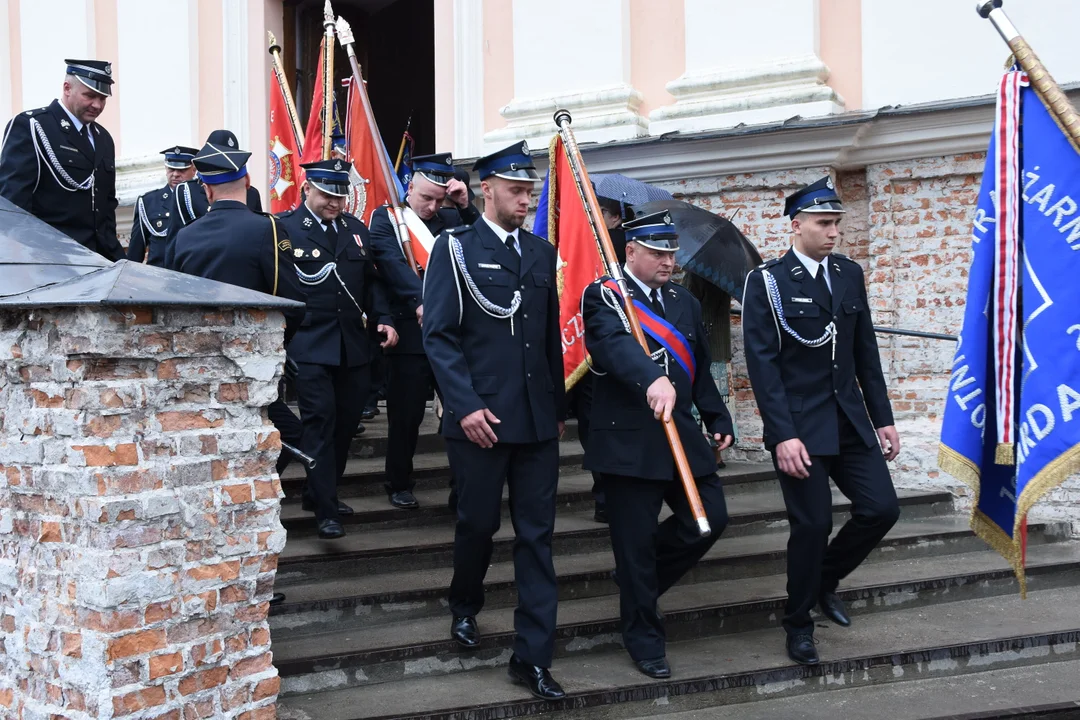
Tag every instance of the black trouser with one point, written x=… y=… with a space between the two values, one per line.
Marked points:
x=532 y=472
x=650 y=557
x=408 y=385
x=331 y=401
x=289 y=427
x=377 y=373
x=814 y=565
x=581 y=396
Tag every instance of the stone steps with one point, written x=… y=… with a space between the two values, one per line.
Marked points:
x=365 y=653
x=937 y=640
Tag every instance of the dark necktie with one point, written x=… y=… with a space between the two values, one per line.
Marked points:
x=332 y=235
x=822 y=284
x=510 y=244
x=654 y=298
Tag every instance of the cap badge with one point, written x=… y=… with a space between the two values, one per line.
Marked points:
x=231 y=143
x=337 y=165
x=828 y=184
x=108 y=69
x=524 y=147
x=176 y=150
x=449 y=161
x=667 y=219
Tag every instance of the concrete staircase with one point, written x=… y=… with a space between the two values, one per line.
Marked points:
x=938 y=628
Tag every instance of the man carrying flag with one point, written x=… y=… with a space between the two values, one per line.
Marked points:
x=1008 y=428
x=410 y=380
x=632 y=391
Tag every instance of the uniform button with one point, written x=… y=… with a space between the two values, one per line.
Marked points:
x=166 y=214
x=835 y=367
x=526 y=345
x=522 y=287
x=528 y=375
x=836 y=392
x=834 y=317
x=525 y=316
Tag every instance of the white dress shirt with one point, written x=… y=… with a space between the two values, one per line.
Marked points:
x=503 y=234
x=644 y=288
x=812 y=265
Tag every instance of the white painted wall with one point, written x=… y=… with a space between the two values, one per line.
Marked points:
x=49 y=32
x=735 y=33
x=563 y=47
x=156 y=53
x=235 y=66
x=6 y=109
x=925 y=50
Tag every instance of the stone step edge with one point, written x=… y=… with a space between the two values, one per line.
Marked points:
x=291 y=666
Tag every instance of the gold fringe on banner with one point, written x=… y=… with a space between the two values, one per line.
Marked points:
x=986 y=529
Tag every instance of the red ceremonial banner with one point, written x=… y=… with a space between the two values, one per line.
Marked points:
x=284 y=159
x=579 y=262
x=363 y=144
x=313 y=131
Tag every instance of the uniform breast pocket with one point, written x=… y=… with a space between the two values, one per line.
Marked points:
x=356 y=253
x=794 y=311
x=492 y=278
x=852 y=306
x=541 y=280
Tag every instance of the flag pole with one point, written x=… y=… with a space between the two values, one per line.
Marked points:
x=283 y=83
x=345 y=37
x=328 y=81
x=401 y=148
x=1051 y=94
x=607 y=251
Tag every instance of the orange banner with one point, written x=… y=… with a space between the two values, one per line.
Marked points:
x=284 y=159
x=363 y=145
x=579 y=262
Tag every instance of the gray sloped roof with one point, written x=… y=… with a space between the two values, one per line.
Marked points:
x=42 y=267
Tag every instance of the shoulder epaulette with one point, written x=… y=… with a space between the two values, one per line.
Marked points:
x=768 y=264
x=36 y=111
x=457 y=229
x=845 y=257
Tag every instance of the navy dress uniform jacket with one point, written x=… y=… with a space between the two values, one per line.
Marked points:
x=28 y=180
x=151 y=225
x=798 y=388
x=404 y=287
x=477 y=362
x=234 y=245
x=331 y=318
x=189 y=204
x=624 y=437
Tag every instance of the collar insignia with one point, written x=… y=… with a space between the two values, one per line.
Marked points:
x=307 y=222
x=64 y=124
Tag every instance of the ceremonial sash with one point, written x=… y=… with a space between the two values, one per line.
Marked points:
x=663 y=332
x=422 y=239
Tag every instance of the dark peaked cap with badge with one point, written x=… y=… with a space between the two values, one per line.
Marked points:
x=437 y=168
x=179 y=157
x=818 y=197
x=511 y=163
x=330 y=176
x=655 y=231
x=221 y=160
x=94 y=74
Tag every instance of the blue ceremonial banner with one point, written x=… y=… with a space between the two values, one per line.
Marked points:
x=540 y=224
x=1013 y=435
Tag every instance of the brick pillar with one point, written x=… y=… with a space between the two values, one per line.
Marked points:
x=139 y=512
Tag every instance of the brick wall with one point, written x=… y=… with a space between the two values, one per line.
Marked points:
x=909 y=225
x=139 y=513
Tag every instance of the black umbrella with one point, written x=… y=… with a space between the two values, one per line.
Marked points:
x=710 y=246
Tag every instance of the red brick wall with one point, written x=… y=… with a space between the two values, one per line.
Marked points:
x=139 y=512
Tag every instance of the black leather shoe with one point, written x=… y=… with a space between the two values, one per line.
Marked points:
x=800 y=648
x=404 y=499
x=330 y=529
x=359 y=430
x=342 y=509
x=833 y=608
x=600 y=514
x=277 y=598
x=656 y=668
x=464 y=631
x=537 y=679
x=369 y=414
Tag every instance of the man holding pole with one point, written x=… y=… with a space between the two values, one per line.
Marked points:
x=813 y=361
x=632 y=391
x=409 y=378
x=491 y=332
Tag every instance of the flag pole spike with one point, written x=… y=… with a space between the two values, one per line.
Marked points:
x=1041 y=81
x=592 y=211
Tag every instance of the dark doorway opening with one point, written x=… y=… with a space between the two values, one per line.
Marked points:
x=395 y=46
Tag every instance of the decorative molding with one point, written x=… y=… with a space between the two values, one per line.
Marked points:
x=235 y=32
x=600 y=115
x=747 y=95
x=138 y=175
x=468 y=77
